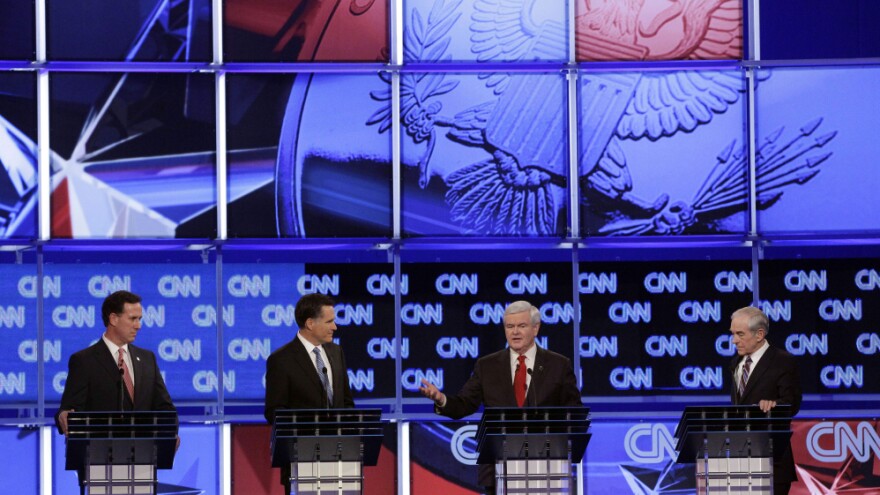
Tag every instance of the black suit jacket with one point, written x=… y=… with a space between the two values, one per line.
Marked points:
x=93 y=382
x=553 y=384
x=776 y=378
x=292 y=381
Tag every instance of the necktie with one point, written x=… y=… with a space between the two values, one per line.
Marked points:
x=126 y=375
x=744 y=377
x=519 y=381
x=322 y=374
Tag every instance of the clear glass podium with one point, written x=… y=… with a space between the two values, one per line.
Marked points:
x=533 y=448
x=326 y=449
x=119 y=452
x=734 y=447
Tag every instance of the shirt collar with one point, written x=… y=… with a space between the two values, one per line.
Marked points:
x=529 y=354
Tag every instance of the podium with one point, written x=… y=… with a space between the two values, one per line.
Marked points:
x=326 y=449
x=119 y=452
x=533 y=448
x=734 y=447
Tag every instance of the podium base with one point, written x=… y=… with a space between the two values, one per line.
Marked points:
x=733 y=476
x=533 y=477
x=120 y=479
x=326 y=478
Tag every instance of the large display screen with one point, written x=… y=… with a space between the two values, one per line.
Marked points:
x=133 y=155
x=816 y=128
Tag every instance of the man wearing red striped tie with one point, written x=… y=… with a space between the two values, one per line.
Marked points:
x=766 y=376
x=523 y=375
x=113 y=374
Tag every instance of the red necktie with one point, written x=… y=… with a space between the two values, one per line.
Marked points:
x=126 y=376
x=519 y=381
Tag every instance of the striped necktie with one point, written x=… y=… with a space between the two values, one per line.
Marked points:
x=322 y=374
x=126 y=375
x=744 y=377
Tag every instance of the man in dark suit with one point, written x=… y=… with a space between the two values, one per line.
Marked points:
x=766 y=376
x=94 y=380
x=308 y=372
x=522 y=375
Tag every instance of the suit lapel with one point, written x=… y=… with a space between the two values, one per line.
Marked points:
x=336 y=367
x=759 y=370
x=139 y=374
x=537 y=377
x=105 y=359
x=502 y=371
x=304 y=361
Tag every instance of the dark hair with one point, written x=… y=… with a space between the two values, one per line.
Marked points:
x=310 y=306
x=115 y=304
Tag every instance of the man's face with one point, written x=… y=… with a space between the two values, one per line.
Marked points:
x=745 y=341
x=124 y=326
x=319 y=330
x=520 y=332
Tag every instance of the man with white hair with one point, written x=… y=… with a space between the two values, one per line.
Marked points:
x=522 y=375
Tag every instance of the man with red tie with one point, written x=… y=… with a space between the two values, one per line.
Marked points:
x=764 y=375
x=523 y=375
x=94 y=380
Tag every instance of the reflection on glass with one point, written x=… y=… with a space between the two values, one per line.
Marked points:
x=663 y=153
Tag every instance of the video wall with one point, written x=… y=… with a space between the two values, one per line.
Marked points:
x=628 y=168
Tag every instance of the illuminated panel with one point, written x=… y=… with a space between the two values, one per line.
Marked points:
x=792 y=29
x=264 y=296
x=139 y=30
x=133 y=155
x=195 y=463
x=179 y=323
x=18 y=155
x=329 y=173
x=816 y=149
x=20 y=458
x=659 y=328
x=452 y=314
x=304 y=30
x=484 y=31
x=484 y=155
x=18 y=323
x=18 y=27
x=662 y=153
x=825 y=313
x=608 y=30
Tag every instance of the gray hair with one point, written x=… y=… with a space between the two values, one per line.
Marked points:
x=521 y=307
x=757 y=319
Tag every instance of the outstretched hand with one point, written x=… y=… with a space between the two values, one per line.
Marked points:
x=430 y=391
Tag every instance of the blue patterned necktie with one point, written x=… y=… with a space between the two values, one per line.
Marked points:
x=744 y=377
x=322 y=374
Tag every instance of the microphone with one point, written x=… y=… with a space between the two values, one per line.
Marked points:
x=533 y=384
x=121 y=390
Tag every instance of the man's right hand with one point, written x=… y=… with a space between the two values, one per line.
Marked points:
x=432 y=392
x=62 y=421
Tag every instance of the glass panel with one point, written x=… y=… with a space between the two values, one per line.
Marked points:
x=793 y=29
x=179 y=322
x=817 y=145
x=484 y=154
x=823 y=311
x=305 y=30
x=329 y=172
x=19 y=356
x=18 y=155
x=135 y=30
x=660 y=327
x=133 y=155
x=658 y=30
x=18 y=25
x=485 y=31
x=663 y=153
